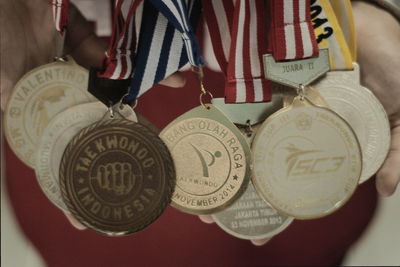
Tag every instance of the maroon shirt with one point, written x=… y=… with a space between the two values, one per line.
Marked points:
x=178 y=239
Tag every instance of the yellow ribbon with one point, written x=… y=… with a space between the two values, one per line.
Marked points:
x=329 y=33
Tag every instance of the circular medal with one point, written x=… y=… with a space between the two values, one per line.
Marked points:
x=55 y=138
x=250 y=217
x=307 y=160
x=37 y=97
x=116 y=177
x=212 y=160
x=363 y=111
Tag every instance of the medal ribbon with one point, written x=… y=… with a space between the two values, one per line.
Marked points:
x=118 y=62
x=245 y=33
x=161 y=48
x=292 y=34
x=60 y=14
x=329 y=34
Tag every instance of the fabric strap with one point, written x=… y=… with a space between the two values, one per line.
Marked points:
x=161 y=48
x=330 y=35
x=118 y=62
x=60 y=14
x=238 y=36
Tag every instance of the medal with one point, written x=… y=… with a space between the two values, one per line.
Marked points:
x=307 y=160
x=116 y=177
x=37 y=97
x=250 y=217
x=212 y=160
x=363 y=111
x=342 y=90
x=55 y=138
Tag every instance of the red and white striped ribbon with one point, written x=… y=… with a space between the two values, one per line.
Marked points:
x=245 y=21
x=118 y=62
x=60 y=14
x=292 y=34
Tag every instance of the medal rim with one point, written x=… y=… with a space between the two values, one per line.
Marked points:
x=335 y=207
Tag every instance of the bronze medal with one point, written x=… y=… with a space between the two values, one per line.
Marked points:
x=212 y=160
x=117 y=177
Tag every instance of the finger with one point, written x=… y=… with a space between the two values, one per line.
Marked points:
x=74 y=222
x=174 y=80
x=260 y=242
x=388 y=177
x=206 y=218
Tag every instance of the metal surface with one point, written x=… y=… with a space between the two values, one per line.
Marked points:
x=37 y=97
x=307 y=160
x=116 y=177
x=363 y=111
x=55 y=138
x=250 y=217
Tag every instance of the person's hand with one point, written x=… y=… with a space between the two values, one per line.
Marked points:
x=378 y=44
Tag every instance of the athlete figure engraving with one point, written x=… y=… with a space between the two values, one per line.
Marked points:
x=204 y=164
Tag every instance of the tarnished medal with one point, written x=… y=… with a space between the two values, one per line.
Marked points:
x=363 y=111
x=56 y=136
x=307 y=160
x=37 y=97
x=116 y=176
x=212 y=160
x=250 y=217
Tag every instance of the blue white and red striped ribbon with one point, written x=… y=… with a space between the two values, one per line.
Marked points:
x=161 y=49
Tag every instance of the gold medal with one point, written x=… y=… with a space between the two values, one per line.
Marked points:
x=55 y=138
x=363 y=111
x=116 y=176
x=212 y=160
x=37 y=97
x=307 y=160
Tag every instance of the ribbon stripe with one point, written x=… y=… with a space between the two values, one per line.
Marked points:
x=239 y=29
x=60 y=14
x=161 y=48
x=176 y=12
x=292 y=32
